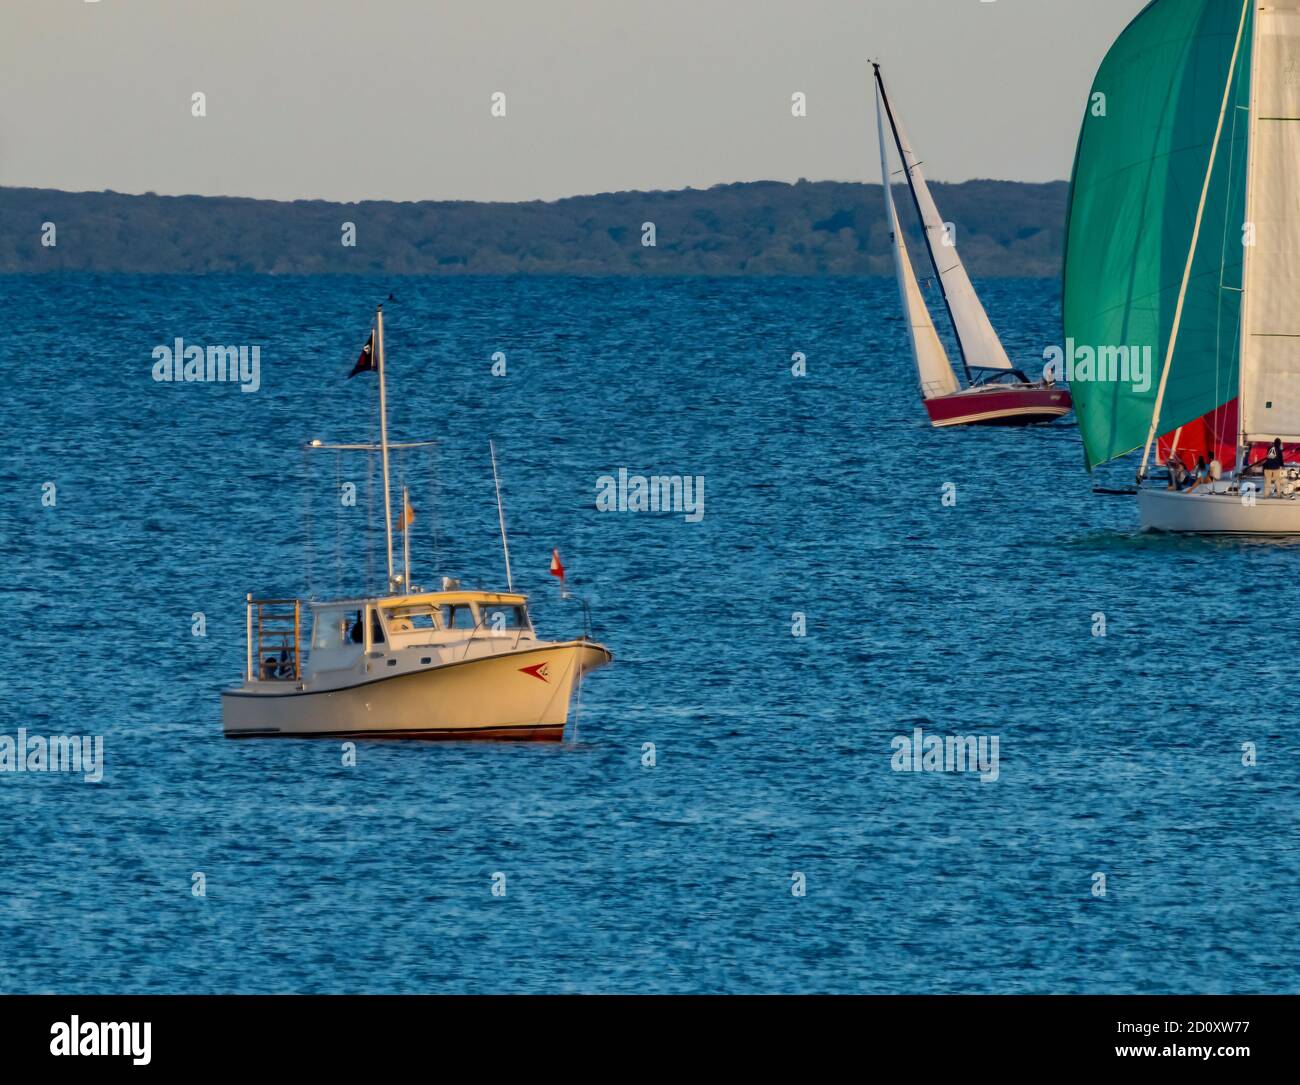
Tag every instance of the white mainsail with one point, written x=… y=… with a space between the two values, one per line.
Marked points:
x=980 y=345
x=1270 y=345
x=933 y=369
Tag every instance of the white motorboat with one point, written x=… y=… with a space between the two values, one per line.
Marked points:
x=444 y=664
x=447 y=664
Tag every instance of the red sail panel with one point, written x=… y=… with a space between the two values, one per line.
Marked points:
x=1214 y=436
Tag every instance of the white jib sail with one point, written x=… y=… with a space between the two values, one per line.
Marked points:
x=933 y=369
x=1270 y=349
x=980 y=343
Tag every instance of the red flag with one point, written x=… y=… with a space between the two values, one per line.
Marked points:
x=557 y=569
x=366 y=363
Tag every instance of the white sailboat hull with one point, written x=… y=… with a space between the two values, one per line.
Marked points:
x=510 y=695
x=1205 y=513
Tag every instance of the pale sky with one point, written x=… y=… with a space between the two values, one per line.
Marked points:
x=390 y=99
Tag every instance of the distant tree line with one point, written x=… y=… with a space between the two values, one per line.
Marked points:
x=1003 y=229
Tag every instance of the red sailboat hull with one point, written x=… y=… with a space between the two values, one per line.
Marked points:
x=999 y=405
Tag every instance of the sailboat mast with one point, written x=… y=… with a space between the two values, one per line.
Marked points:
x=1247 y=259
x=383 y=441
x=916 y=202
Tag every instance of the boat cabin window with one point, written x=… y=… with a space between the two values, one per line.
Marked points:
x=458 y=617
x=419 y=618
x=500 y=618
x=416 y=623
x=336 y=629
x=336 y=637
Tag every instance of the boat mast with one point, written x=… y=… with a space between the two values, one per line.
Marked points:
x=501 y=515
x=1243 y=438
x=916 y=202
x=1191 y=250
x=383 y=441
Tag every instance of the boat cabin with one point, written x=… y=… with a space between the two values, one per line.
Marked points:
x=398 y=631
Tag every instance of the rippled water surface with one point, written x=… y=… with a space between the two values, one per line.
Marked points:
x=1119 y=755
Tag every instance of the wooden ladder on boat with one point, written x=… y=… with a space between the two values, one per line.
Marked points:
x=277 y=624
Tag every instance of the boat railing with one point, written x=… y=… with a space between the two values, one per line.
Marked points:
x=482 y=625
x=274 y=640
x=470 y=639
x=581 y=600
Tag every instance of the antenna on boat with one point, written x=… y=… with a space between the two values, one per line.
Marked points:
x=408 y=517
x=501 y=516
x=383 y=439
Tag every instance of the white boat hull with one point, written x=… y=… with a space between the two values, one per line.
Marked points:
x=510 y=695
x=1207 y=513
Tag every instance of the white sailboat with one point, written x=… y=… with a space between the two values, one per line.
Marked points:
x=407 y=663
x=996 y=392
x=1200 y=261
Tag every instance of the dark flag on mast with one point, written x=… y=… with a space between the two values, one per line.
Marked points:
x=366 y=363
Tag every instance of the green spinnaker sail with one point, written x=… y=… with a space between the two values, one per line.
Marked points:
x=1138 y=175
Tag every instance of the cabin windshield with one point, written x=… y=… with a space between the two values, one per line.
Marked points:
x=414 y=623
x=429 y=622
x=500 y=618
x=409 y=619
x=460 y=616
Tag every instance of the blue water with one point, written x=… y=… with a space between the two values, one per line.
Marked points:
x=1119 y=755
